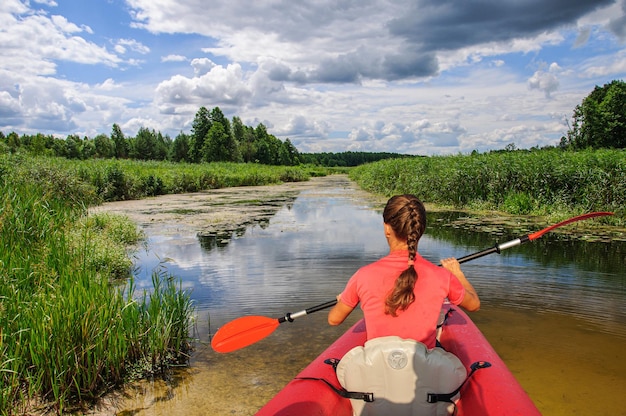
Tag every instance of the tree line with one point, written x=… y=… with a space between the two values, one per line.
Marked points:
x=347 y=159
x=213 y=138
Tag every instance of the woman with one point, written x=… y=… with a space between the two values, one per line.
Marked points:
x=402 y=293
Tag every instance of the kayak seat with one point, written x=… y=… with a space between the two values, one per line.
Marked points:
x=404 y=376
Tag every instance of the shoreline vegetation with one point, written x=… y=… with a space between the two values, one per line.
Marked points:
x=550 y=183
x=72 y=326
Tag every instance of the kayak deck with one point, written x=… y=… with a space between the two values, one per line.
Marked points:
x=490 y=391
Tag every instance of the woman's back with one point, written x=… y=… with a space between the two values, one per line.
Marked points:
x=371 y=285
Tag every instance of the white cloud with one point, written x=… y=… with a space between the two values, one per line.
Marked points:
x=122 y=45
x=219 y=85
x=173 y=58
x=31 y=43
x=546 y=81
x=202 y=66
x=606 y=66
x=64 y=25
x=9 y=105
x=108 y=85
x=50 y=3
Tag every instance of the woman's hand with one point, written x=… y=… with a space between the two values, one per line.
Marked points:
x=452 y=265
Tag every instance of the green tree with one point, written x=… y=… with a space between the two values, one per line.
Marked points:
x=238 y=129
x=145 y=145
x=4 y=147
x=73 y=144
x=265 y=153
x=289 y=154
x=219 y=146
x=600 y=120
x=199 y=129
x=217 y=116
x=104 y=146
x=162 y=146
x=120 y=142
x=179 y=152
x=59 y=147
x=275 y=146
x=229 y=146
x=248 y=144
x=40 y=143
x=13 y=141
x=88 y=149
x=239 y=135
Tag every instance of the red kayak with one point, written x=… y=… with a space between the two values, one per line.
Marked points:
x=490 y=391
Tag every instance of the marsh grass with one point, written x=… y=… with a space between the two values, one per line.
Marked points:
x=539 y=182
x=69 y=328
x=115 y=180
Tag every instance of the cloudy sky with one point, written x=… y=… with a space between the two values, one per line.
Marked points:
x=406 y=76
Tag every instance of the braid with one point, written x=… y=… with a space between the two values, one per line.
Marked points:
x=414 y=232
x=407 y=217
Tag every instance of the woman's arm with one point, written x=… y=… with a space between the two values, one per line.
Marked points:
x=471 y=301
x=339 y=312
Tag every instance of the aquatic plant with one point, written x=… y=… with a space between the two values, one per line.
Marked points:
x=70 y=329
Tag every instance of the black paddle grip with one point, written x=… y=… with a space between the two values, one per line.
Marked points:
x=494 y=249
x=322 y=306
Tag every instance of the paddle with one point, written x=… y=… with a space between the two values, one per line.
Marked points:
x=247 y=330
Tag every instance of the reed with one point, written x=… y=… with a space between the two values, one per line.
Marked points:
x=128 y=179
x=540 y=182
x=70 y=329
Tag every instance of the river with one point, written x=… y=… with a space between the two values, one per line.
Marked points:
x=553 y=309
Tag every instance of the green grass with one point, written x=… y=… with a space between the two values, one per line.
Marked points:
x=541 y=182
x=115 y=180
x=70 y=329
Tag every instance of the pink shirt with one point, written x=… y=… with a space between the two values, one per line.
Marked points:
x=371 y=284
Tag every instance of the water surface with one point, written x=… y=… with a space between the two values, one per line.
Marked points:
x=553 y=309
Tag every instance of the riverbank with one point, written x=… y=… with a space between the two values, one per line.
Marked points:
x=70 y=330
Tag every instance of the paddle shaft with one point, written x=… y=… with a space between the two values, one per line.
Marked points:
x=495 y=249
x=291 y=316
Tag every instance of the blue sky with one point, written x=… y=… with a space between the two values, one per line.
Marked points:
x=418 y=77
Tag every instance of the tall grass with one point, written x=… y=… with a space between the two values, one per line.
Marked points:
x=128 y=179
x=67 y=333
x=542 y=182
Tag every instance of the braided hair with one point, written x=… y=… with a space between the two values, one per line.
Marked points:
x=406 y=215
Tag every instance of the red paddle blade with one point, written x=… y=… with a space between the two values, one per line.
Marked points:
x=538 y=234
x=242 y=332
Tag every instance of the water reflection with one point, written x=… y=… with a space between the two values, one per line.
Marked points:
x=301 y=255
